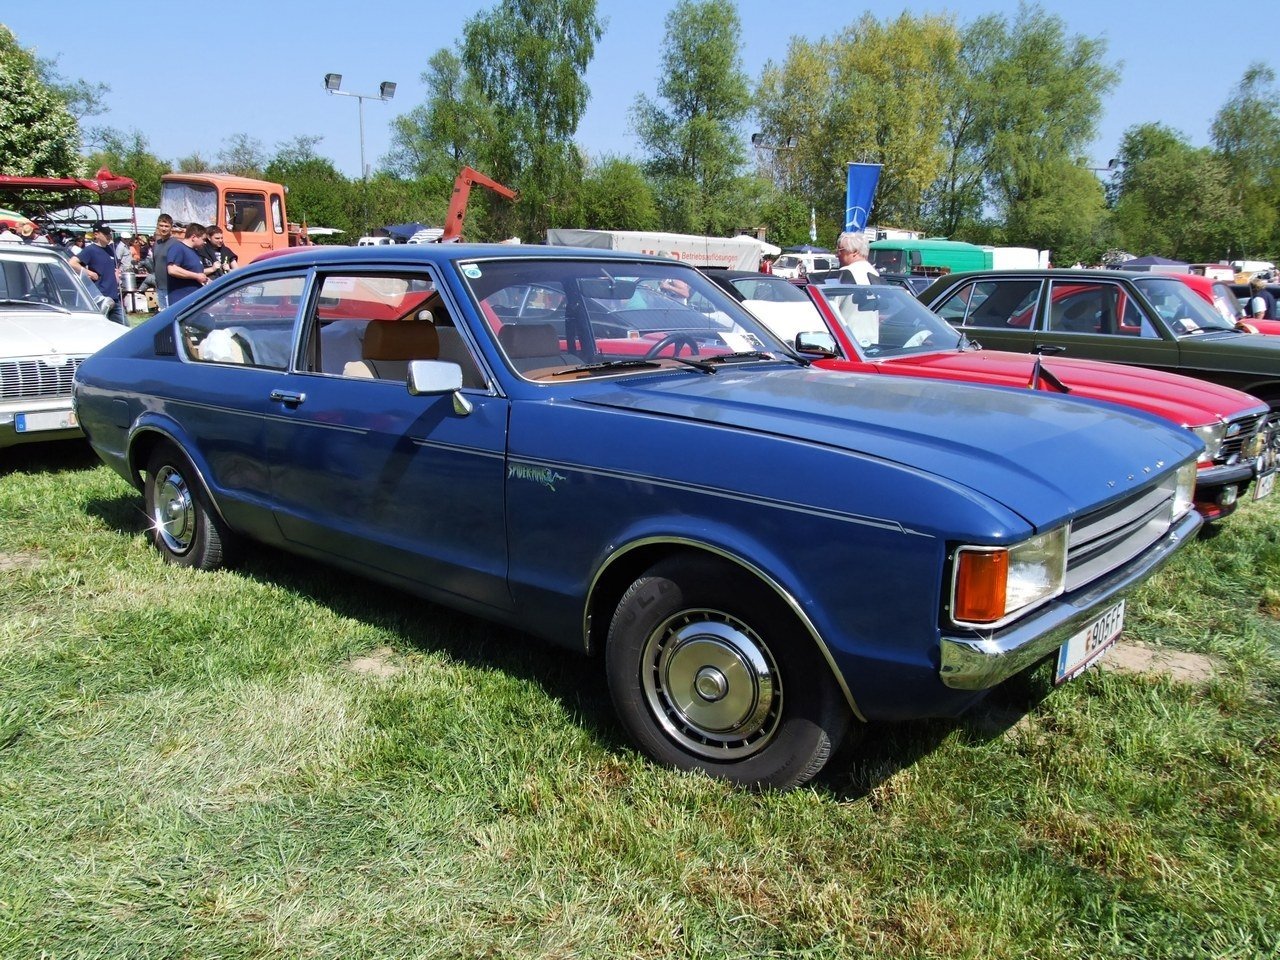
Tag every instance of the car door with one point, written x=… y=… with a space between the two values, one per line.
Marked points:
x=365 y=472
x=236 y=347
x=1102 y=320
x=1082 y=317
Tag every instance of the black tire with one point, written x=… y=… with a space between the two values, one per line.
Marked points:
x=709 y=671
x=184 y=527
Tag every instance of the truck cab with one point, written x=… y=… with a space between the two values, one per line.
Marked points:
x=252 y=213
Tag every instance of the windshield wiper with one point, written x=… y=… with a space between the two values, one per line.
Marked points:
x=607 y=365
x=27 y=304
x=740 y=356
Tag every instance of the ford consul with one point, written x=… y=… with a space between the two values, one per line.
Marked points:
x=763 y=553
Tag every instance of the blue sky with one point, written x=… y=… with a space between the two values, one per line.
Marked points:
x=264 y=62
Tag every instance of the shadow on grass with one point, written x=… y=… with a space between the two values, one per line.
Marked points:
x=56 y=456
x=575 y=681
x=870 y=756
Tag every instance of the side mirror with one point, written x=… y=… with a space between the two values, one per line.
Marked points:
x=819 y=342
x=433 y=377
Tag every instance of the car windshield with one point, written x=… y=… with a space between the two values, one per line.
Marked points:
x=769 y=289
x=29 y=282
x=557 y=319
x=885 y=321
x=1180 y=307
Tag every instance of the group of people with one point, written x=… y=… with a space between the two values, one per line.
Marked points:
x=181 y=259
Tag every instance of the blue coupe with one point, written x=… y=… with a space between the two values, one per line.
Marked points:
x=607 y=451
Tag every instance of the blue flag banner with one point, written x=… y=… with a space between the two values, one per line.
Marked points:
x=863 y=178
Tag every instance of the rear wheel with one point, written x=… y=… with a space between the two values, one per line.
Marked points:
x=183 y=525
x=709 y=671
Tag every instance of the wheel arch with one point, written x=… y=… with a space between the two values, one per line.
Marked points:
x=629 y=561
x=146 y=437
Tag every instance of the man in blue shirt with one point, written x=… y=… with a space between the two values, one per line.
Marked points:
x=98 y=263
x=186 y=272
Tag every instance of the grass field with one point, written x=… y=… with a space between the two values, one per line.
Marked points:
x=285 y=761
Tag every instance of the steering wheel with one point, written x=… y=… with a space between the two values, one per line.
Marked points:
x=679 y=340
x=918 y=339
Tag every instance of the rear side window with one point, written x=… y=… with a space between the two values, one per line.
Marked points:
x=250 y=325
x=992 y=303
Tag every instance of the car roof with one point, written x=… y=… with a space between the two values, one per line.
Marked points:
x=444 y=253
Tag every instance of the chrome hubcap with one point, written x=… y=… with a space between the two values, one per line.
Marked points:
x=712 y=684
x=173 y=513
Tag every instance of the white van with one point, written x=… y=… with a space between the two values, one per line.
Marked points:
x=374 y=242
x=789 y=264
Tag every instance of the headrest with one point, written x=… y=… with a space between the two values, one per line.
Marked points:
x=529 y=340
x=401 y=340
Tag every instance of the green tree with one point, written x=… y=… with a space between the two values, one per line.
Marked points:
x=876 y=92
x=1050 y=87
x=445 y=133
x=692 y=139
x=528 y=59
x=954 y=204
x=1172 y=198
x=243 y=156
x=318 y=194
x=1246 y=133
x=129 y=155
x=38 y=135
x=616 y=195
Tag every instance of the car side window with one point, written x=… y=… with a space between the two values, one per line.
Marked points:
x=1096 y=307
x=993 y=303
x=372 y=326
x=250 y=325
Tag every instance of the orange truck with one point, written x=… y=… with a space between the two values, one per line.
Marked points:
x=252 y=213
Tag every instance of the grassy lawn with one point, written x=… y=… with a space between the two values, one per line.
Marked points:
x=285 y=761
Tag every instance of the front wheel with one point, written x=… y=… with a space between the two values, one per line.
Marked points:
x=709 y=671
x=183 y=524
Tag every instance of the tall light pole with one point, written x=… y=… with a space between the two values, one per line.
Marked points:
x=763 y=146
x=387 y=90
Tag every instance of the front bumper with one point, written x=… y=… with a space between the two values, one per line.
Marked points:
x=977 y=662
x=31 y=421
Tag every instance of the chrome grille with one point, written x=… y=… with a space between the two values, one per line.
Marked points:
x=1233 y=446
x=1109 y=538
x=35 y=379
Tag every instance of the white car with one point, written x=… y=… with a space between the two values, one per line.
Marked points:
x=792 y=265
x=49 y=322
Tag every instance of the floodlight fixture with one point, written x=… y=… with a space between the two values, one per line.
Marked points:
x=332 y=81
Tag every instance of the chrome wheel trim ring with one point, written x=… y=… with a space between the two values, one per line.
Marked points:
x=712 y=684
x=173 y=512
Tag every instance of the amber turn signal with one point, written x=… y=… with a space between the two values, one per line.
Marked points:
x=982 y=580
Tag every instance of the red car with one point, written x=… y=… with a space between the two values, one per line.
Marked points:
x=883 y=329
x=1223 y=299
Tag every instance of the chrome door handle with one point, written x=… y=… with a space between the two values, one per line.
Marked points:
x=288 y=397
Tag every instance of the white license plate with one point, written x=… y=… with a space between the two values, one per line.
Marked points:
x=1266 y=483
x=45 y=420
x=1090 y=643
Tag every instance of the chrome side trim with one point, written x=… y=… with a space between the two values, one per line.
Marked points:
x=782 y=592
x=838 y=515
x=979 y=662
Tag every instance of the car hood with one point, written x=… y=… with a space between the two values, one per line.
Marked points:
x=40 y=333
x=1043 y=456
x=1172 y=396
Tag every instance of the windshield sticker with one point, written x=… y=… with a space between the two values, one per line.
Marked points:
x=539 y=475
x=737 y=342
x=471 y=271
x=1188 y=324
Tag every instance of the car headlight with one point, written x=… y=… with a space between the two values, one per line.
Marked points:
x=990 y=585
x=1212 y=434
x=1184 y=493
